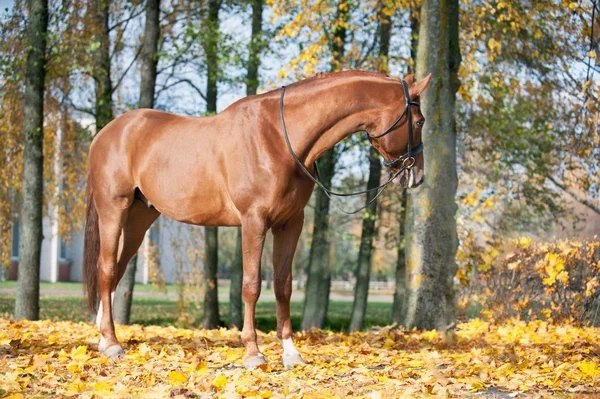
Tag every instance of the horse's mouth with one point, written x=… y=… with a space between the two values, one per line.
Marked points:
x=410 y=178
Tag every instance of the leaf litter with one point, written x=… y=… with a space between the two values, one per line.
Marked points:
x=477 y=359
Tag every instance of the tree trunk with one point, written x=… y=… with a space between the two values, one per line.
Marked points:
x=398 y=310
x=211 y=294
x=236 y=313
x=363 y=267
x=124 y=294
x=431 y=239
x=101 y=64
x=398 y=307
x=318 y=283
x=27 y=304
x=316 y=298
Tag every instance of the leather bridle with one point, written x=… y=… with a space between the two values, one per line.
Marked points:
x=406 y=161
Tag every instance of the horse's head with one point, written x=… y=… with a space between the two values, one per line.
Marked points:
x=402 y=117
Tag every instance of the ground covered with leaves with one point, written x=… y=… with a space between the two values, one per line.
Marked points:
x=39 y=359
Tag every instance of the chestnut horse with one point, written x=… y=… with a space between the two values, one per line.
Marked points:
x=234 y=169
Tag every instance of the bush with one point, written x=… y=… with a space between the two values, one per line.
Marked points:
x=558 y=281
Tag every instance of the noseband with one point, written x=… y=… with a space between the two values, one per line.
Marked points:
x=406 y=161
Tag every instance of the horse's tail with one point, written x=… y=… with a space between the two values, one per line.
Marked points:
x=91 y=252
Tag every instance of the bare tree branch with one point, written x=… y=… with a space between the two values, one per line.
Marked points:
x=137 y=54
x=582 y=201
x=126 y=20
x=184 y=80
x=88 y=111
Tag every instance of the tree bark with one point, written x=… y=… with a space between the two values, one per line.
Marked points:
x=316 y=300
x=431 y=239
x=398 y=310
x=124 y=294
x=27 y=304
x=398 y=307
x=101 y=64
x=236 y=313
x=363 y=267
x=211 y=294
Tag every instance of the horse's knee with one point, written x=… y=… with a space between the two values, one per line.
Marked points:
x=251 y=289
x=282 y=287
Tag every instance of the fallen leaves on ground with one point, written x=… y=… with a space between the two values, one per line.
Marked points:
x=60 y=359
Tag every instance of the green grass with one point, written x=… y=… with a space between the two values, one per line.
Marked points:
x=163 y=311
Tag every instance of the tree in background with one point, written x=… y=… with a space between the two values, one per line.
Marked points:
x=318 y=283
x=28 y=288
x=236 y=315
x=431 y=239
x=528 y=123
x=124 y=293
x=363 y=267
x=398 y=306
x=210 y=44
x=103 y=108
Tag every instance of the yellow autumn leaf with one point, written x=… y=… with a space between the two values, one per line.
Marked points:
x=175 y=377
x=101 y=386
x=80 y=354
x=589 y=368
x=219 y=381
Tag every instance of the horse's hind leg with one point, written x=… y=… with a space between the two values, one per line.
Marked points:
x=285 y=239
x=112 y=214
x=139 y=219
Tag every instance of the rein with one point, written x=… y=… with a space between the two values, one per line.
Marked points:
x=406 y=160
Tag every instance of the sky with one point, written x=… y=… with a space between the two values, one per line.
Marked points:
x=4 y=4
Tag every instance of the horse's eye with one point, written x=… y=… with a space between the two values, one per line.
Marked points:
x=420 y=123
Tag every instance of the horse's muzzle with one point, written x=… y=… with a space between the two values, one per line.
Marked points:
x=410 y=178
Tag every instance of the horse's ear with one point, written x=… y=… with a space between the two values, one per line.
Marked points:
x=410 y=78
x=419 y=86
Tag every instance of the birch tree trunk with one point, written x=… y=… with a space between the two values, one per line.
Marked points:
x=27 y=304
x=124 y=294
x=431 y=239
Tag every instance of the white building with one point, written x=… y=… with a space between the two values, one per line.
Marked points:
x=177 y=247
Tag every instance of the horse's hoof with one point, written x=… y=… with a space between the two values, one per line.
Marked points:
x=289 y=361
x=252 y=362
x=114 y=352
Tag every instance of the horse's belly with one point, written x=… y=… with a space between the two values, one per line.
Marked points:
x=199 y=212
x=199 y=204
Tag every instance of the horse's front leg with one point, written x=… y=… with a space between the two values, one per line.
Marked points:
x=254 y=230
x=285 y=239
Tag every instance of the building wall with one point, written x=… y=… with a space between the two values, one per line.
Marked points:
x=178 y=250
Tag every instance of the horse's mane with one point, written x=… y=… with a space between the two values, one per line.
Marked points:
x=319 y=76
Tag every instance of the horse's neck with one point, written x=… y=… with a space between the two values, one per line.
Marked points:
x=323 y=115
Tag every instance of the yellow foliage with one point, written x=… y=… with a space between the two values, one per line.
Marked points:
x=163 y=362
